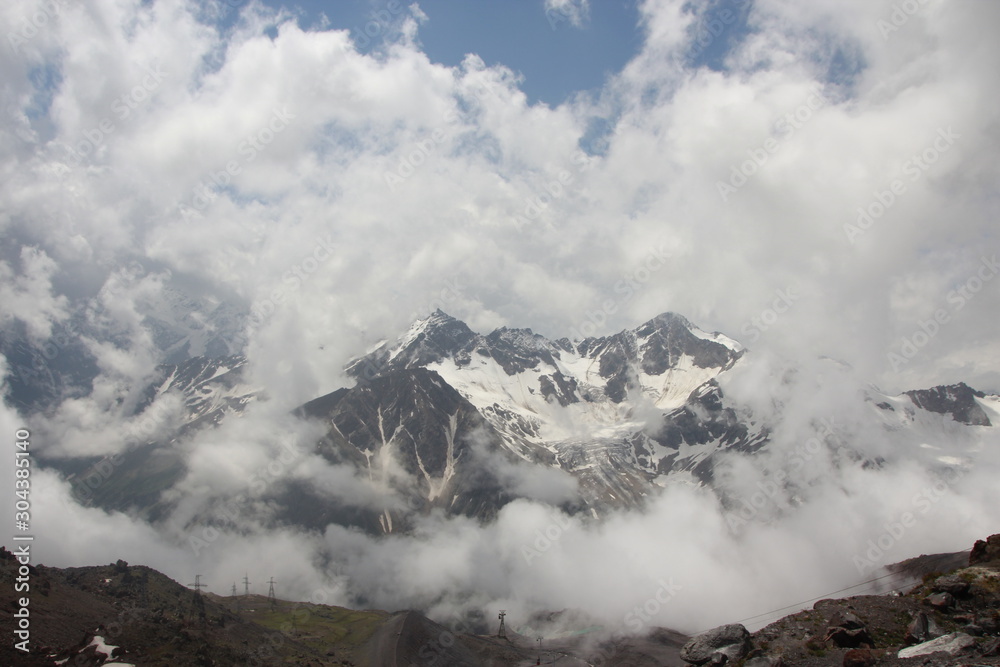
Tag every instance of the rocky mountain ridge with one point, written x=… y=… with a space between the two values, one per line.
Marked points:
x=445 y=418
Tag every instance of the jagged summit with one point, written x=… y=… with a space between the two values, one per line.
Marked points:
x=657 y=344
x=957 y=400
x=428 y=340
x=668 y=319
x=535 y=392
x=438 y=318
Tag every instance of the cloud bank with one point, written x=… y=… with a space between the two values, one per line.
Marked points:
x=828 y=192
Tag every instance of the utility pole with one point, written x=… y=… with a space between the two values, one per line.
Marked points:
x=246 y=584
x=236 y=599
x=502 y=633
x=271 y=599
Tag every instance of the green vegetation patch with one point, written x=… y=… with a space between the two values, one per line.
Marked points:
x=320 y=627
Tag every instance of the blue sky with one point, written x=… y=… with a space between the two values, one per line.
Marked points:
x=425 y=180
x=554 y=57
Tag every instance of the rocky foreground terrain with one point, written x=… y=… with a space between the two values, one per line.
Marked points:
x=132 y=615
x=951 y=618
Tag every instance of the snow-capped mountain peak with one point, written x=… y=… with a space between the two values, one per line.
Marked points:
x=535 y=391
x=445 y=417
x=426 y=341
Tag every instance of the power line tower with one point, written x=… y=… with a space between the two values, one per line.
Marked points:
x=271 y=600
x=197 y=584
x=246 y=585
x=236 y=599
x=197 y=602
x=502 y=633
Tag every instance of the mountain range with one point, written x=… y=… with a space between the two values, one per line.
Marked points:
x=446 y=419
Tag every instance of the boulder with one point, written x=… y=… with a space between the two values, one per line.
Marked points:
x=952 y=644
x=989 y=624
x=848 y=631
x=731 y=641
x=853 y=638
x=940 y=601
x=923 y=628
x=859 y=657
x=973 y=629
x=952 y=585
x=984 y=551
x=846 y=619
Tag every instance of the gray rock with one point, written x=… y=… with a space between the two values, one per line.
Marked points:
x=951 y=584
x=731 y=641
x=984 y=551
x=923 y=628
x=973 y=629
x=763 y=661
x=916 y=631
x=844 y=638
x=952 y=644
x=940 y=600
x=846 y=619
x=989 y=624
